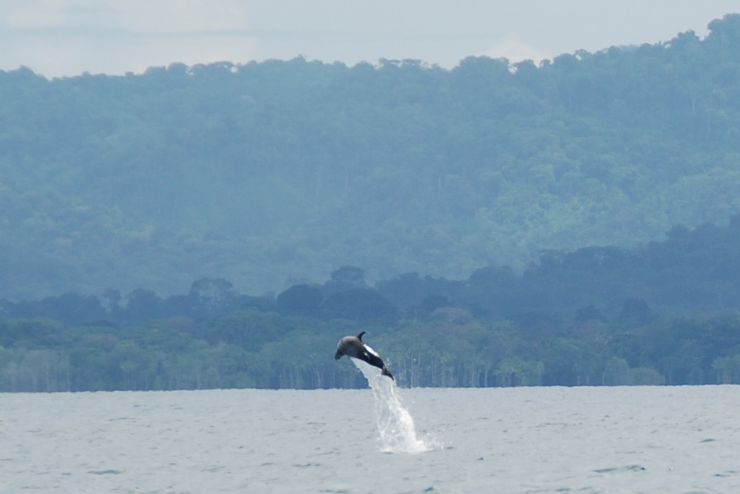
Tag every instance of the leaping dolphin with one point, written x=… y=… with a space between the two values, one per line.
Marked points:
x=353 y=346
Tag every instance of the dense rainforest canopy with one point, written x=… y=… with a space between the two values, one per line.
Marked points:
x=497 y=224
x=277 y=172
x=662 y=313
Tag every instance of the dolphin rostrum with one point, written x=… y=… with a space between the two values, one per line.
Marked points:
x=353 y=346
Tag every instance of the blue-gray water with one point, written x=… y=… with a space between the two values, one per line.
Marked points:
x=637 y=439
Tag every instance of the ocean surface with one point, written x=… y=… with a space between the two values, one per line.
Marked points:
x=380 y=440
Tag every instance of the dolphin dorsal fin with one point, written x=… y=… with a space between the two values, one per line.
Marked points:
x=359 y=336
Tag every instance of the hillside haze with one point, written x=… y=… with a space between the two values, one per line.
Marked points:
x=276 y=172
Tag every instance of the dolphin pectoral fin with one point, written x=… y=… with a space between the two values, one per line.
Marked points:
x=359 y=336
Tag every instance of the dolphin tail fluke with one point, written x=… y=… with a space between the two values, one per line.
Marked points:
x=386 y=372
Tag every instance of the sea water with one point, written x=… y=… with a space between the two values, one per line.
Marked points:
x=515 y=440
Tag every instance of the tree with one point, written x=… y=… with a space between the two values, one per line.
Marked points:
x=300 y=300
x=142 y=305
x=635 y=311
x=359 y=304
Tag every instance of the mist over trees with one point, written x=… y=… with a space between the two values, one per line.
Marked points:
x=497 y=224
x=273 y=174
x=661 y=313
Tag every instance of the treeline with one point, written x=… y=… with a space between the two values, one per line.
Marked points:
x=284 y=170
x=449 y=347
x=691 y=271
x=662 y=313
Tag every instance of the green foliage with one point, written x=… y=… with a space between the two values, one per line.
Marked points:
x=275 y=171
x=271 y=171
x=448 y=348
x=361 y=304
x=661 y=313
x=301 y=300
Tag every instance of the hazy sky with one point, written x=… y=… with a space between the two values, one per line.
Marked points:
x=67 y=37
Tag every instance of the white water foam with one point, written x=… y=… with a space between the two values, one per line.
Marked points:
x=396 y=429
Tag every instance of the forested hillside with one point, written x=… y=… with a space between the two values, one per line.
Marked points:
x=275 y=172
x=663 y=312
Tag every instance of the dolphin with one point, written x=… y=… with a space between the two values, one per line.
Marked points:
x=353 y=346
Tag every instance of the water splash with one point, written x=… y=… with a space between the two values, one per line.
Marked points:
x=396 y=429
